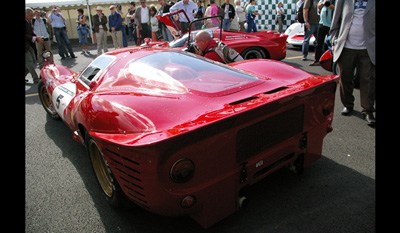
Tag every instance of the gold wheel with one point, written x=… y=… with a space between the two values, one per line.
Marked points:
x=46 y=100
x=100 y=168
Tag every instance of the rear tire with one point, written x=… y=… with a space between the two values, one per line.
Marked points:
x=105 y=178
x=253 y=53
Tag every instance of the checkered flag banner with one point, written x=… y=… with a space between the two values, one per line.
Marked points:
x=268 y=9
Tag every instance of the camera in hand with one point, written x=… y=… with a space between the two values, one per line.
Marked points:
x=327 y=3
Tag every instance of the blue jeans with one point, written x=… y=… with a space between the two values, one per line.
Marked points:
x=167 y=36
x=82 y=33
x=251 y=25
x=124 y=37
x=226 y=24
x=61 y=35
x=307 y=37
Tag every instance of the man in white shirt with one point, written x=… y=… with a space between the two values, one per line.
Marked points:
x=190 y=9
x=142 y=19
x=353 y=36
x=39 y=28
x=229 y=15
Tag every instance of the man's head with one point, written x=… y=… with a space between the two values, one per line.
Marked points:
x=37 y=12
x=209 y=23
x=99 y=10
x=162 y=2
x=28 y=13
x=202 y=39
x=185 y=2
x=119 y=7
x=143 y=3
x=112 y=9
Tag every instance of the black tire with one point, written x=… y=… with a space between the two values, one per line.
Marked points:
x=105 y=178
x=253 y=53
x=45 y=99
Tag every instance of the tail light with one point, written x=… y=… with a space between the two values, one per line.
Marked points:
x=188 y=201
x=327 y=107
x=182 y=170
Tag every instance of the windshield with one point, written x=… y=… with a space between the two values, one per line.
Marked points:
x=178 y=72
x=100 y=63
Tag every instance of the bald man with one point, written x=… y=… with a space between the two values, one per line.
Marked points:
x=205 y=45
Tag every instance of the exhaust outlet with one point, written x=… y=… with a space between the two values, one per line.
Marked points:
x=243 y=202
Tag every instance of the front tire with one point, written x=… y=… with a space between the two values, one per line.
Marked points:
x=45 y=99
x=105 y=178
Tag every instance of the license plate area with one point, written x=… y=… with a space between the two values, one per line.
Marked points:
x=269 y=132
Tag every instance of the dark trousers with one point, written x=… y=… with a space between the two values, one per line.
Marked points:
x=144 y=32
x=347 y=62
x=184 y=26
x=321 y=33
x=61 y=35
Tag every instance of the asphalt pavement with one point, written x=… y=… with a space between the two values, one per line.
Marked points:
x=335 y=194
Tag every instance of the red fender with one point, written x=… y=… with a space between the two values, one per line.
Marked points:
x=326 y=61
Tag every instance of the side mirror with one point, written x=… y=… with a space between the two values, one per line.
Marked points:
x=92 y=84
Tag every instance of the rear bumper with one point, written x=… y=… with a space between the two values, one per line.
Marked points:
x=221 y=172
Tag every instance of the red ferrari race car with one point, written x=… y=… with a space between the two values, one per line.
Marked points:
x=179 y=134
x=264 y=44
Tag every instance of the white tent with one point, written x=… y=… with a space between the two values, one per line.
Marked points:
x=60 y=3
x=66 y=3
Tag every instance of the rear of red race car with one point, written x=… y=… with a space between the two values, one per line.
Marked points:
x=201 y=167
x=263 y=44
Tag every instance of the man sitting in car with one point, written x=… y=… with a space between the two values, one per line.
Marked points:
x=205 y=46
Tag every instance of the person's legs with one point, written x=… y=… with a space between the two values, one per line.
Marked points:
x=347 y=63
x=320 y=42
x=30 y=63
x=61 y=49
x=114 y=39
x=280 y=25
x=47 y=47
x=81 y=42
x=366 y=71
x=39 y=49
x=85 y=41
x=241 y=26
x=119 y=39
x=99 y=42
x=124 y=37
x=226 y=24
x=64 y=36
x=254 y=26
x=167 y=36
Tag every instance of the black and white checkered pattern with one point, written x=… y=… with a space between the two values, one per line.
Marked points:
x=268 y=9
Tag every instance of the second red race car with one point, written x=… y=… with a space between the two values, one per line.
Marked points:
x=264 y=44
